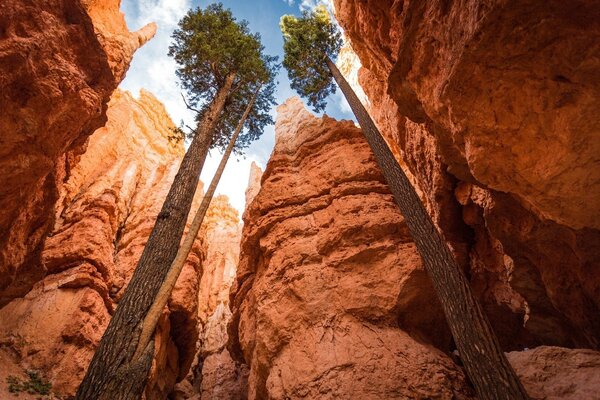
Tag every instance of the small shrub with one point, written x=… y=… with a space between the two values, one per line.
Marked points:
x=35 y=384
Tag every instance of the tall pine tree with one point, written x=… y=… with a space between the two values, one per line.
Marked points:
x=310 y=43
x=261 y=99
x=218 y=58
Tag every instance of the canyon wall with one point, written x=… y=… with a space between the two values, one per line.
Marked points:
x=103 y=216
x=60 y=61
x=491 y=107
x=331 y=300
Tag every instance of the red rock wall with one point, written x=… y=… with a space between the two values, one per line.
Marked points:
x=492 y=107
x=330 y=299
x=60 y=61
x=104 y=215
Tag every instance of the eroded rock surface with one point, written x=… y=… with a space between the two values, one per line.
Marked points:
x=330 y=287
x=60 y=61
x=553 y=373
x=104 y=215
x=492 y=108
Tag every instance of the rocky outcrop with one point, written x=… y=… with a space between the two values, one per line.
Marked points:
x=104 y=215
x=253 y=183
x=331 y=300
x=557 y=373
x=60 y=61
x=492 y=108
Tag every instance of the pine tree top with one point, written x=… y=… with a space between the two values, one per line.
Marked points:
x=307 y=42
x=210 y=45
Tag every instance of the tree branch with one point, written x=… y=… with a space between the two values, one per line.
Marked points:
x=188 y=106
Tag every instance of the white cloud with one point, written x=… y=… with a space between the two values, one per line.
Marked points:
x=151 y=68
x=341 y=102
x=311 y=4
x=234 y=181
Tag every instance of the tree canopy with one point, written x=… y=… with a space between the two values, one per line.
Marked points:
x=209 y=45
x=259 y=116
x=307 y=42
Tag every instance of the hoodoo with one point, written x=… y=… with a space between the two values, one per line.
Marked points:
x=318 y=310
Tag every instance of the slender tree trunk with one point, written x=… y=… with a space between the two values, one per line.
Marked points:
x=477 y=344
x=111 y=374
x=167 y=287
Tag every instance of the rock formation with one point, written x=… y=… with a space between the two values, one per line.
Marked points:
x=60 y=61
x=330 y=292
x=558 y=373
x=104 y=215
x=492 y=108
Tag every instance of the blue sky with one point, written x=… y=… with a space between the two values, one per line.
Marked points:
x=153 y=70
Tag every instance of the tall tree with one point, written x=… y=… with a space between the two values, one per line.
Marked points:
x=151 y=319
x=310 y=43
x=217 y=57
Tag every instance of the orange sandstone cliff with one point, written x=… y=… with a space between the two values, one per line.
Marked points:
x=330 y=287
x=492 y=109
x=60 y=61
x=215 y=375
x=104 y=215
x=331 y=300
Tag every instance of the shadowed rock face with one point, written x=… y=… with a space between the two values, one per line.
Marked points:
x=492 y=109
x=104 y=215
x=329 y=284
x=60 y=61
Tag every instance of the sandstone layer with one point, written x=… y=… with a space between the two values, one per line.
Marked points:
x=103 y=217
x=60 y=61
x=330 y=291
x=492 y=109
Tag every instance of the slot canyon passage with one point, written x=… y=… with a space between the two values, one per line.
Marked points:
x=317 y=291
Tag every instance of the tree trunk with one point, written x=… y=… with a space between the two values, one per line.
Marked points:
x=167 y=287
x=112 y=360
x=477 y=344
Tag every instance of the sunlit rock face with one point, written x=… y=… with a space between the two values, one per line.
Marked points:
x=104 y=215
x=60 y=61
x=492 y=106
x=331 y=300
